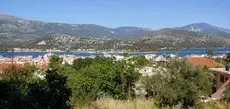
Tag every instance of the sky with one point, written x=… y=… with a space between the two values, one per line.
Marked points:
x=154 y=14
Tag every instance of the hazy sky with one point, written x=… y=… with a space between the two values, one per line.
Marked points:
x=153 y=14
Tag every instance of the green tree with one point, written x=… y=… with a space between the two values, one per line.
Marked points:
x=181 y=83
x=210 y=52
x=81 y=63
x=12 y=94
x=139 y=61
x=18 y=91
x=24 y=73
x=227 y=95
x=55 y=62
x=126 y=54
x=51 y=93
x=103 y=77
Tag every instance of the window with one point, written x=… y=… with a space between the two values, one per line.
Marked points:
x=222 y=78
x=226 y=78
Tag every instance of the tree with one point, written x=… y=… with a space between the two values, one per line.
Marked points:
x=14 y=86
x=24 y=72
x=139 y=61
x=181 y=83
x=227 y=95
x=20 y=91
x=81 y=63
x=128 y=77
x=103 y=77
x=55 y=61
x=126 y=54
x=12 y=94
x=50 y=94
x=210 y=52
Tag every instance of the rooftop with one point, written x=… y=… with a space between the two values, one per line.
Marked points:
x=4 y=66
x=204 y=61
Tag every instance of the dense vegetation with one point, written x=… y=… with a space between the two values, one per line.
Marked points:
x=64 y=85
x=21 y=89
x=177 y=84
x=180 y=83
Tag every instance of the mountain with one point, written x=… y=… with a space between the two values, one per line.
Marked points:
x=131 y=32
x=173 y=39
x=18 y=32
x=207 y=29
x=14 y=26
x=165 y=39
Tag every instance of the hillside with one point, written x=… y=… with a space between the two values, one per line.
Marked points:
x=171 y=39
x=11 y=26
x=18 y=32
x=207 y=29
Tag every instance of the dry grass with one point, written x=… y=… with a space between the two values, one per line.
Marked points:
x=216 y=105
x=109 y=103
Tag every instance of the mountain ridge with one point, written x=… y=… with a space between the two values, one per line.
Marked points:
x=207 y=29
x=29 y=33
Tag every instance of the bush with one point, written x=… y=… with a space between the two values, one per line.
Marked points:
x=181 y=83
x=17 y=92
x=103 y=77
x=227 y=95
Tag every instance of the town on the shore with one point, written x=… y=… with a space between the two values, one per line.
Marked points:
x=204 y=60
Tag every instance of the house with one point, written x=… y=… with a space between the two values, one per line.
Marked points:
x=222 y=79
x=150 y=57
x=204 y=62
x=2 y=67
x=221 y=74
x=146 y=71
x=160 y=58
x=5 y=66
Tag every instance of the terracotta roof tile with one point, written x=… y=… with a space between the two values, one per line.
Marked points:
x=203 y=61
x=4 y=66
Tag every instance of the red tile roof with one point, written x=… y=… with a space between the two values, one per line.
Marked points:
x=4 y=66
x=203 y=61
x=42 y=66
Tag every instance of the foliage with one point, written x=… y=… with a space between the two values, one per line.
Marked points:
x=55 y=62
x=227 y=95
x=50 y=94
x=126 y=54
x=101 y=77
x=221 y=60
x=139 y=61
x=89 y=80
x=18 y=91
x=81 y=63
x=24 y=73
x=180 y=83
x=210 y=52
x=12 y=94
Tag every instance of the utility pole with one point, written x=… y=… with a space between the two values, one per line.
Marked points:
x=12 y=52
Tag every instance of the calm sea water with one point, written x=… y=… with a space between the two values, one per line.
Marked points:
x=183 y=52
